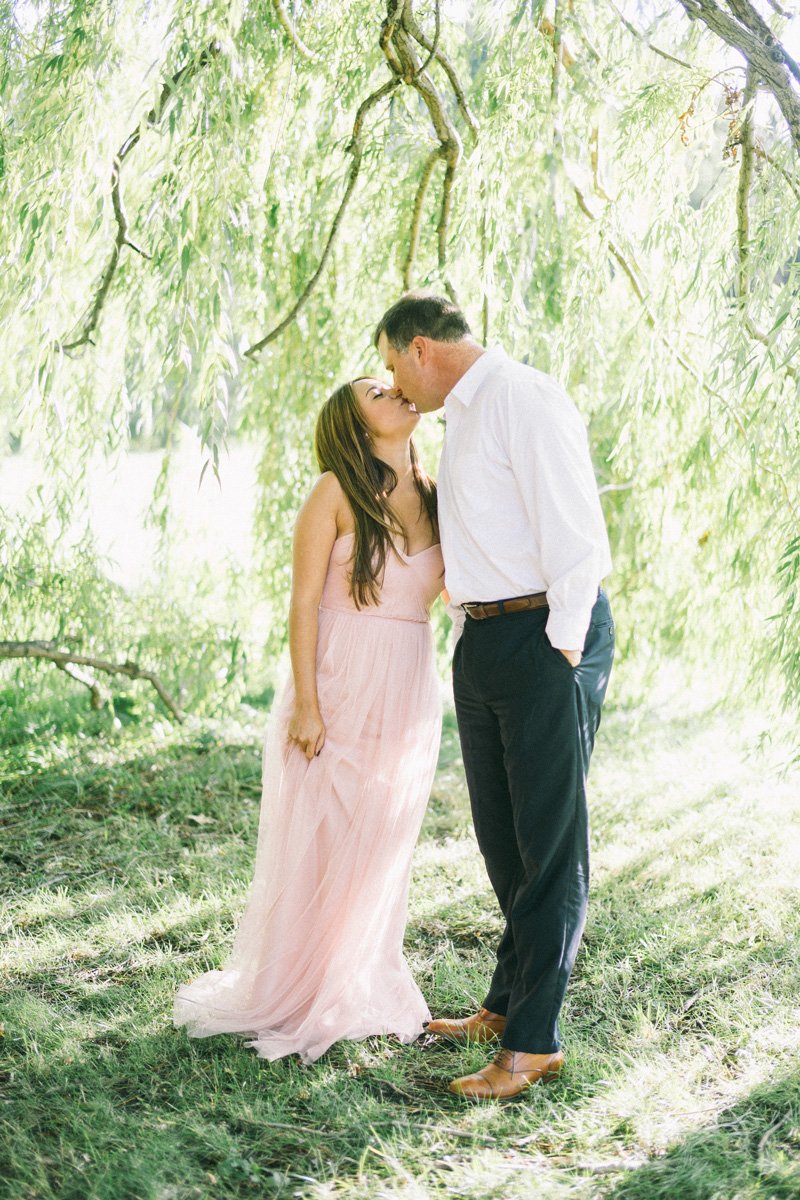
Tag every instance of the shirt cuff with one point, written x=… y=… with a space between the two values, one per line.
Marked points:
x=566 y=631
x=457 y=615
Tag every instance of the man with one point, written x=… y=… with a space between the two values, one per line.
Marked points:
x=525 y=549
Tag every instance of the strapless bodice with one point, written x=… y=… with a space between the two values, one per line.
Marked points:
x=411 y=583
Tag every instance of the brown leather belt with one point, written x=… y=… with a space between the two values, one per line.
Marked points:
x=496 y=608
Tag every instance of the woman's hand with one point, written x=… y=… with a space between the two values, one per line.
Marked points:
x=306 y=729
x=315 y=533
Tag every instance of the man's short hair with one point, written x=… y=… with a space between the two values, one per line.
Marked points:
x=421 y=314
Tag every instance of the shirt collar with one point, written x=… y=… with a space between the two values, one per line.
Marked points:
x=471 y=380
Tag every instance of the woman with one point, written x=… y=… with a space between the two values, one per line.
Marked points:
x=349 y=761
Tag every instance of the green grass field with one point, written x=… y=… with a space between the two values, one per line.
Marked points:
x=126 y=856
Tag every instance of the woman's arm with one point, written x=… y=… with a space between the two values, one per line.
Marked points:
x=314 y=534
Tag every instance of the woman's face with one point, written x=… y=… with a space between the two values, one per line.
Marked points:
x=386 y=412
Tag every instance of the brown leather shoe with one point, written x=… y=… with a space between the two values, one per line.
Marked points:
x=510 y=1074
x=483 y=1026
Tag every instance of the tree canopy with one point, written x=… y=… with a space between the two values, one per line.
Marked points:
x=207 y=206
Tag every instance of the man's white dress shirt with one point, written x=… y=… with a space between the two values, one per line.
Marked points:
x=519 y=510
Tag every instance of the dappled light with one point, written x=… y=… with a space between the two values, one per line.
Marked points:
x=680 y=1021
x=206 y=209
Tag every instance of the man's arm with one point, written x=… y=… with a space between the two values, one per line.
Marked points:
x=549 y=451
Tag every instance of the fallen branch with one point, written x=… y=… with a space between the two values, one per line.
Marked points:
x=291 y=32
x=153 y=118
x=64 y=660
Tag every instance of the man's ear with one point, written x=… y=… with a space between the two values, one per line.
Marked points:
x=419 y=348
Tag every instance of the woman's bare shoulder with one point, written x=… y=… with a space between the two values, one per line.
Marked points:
x=327 y=499
x=326 y=492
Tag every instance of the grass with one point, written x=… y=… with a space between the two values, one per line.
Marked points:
x=126 y=855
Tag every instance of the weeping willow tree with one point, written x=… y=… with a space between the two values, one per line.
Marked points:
x=206 y=207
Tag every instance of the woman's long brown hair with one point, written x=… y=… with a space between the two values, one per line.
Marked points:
x=342 y=446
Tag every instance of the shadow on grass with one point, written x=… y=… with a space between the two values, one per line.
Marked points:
x=88 y=813
x=128 y=1115
x=752 y=1149
x=98 y=1107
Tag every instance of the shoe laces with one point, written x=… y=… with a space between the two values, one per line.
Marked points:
x=504 y=1059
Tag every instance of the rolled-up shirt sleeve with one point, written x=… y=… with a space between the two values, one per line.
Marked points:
x=457 y=615
x=550 y=458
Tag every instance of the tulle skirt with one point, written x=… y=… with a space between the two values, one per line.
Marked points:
x=319 y=952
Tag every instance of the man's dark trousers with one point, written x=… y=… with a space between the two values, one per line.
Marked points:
x=527 y=722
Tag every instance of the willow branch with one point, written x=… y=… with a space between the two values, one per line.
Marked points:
x=645 y=40
x=484 y=256
x=768 y=61
x=356 y=148
x=594 y=152
x=410 y=24
x=557 y=53
x=616 y=487
x=406 y=68
x=555 y=80
x=450 y=142
x=416 y=216
x=435 y=43
x=98 y=695
x=762 y=153
x=681 y=359
x=620 y=257
x=747 y=142
x=63 y=659
x=444 y=227
x=393 y=11
x=152 y=119
x=588 y=45
x=753 y=20
x=298 y=43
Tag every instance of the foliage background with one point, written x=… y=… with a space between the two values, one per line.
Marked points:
x=597 y=218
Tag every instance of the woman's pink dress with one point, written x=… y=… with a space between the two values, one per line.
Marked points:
x=319 y=952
